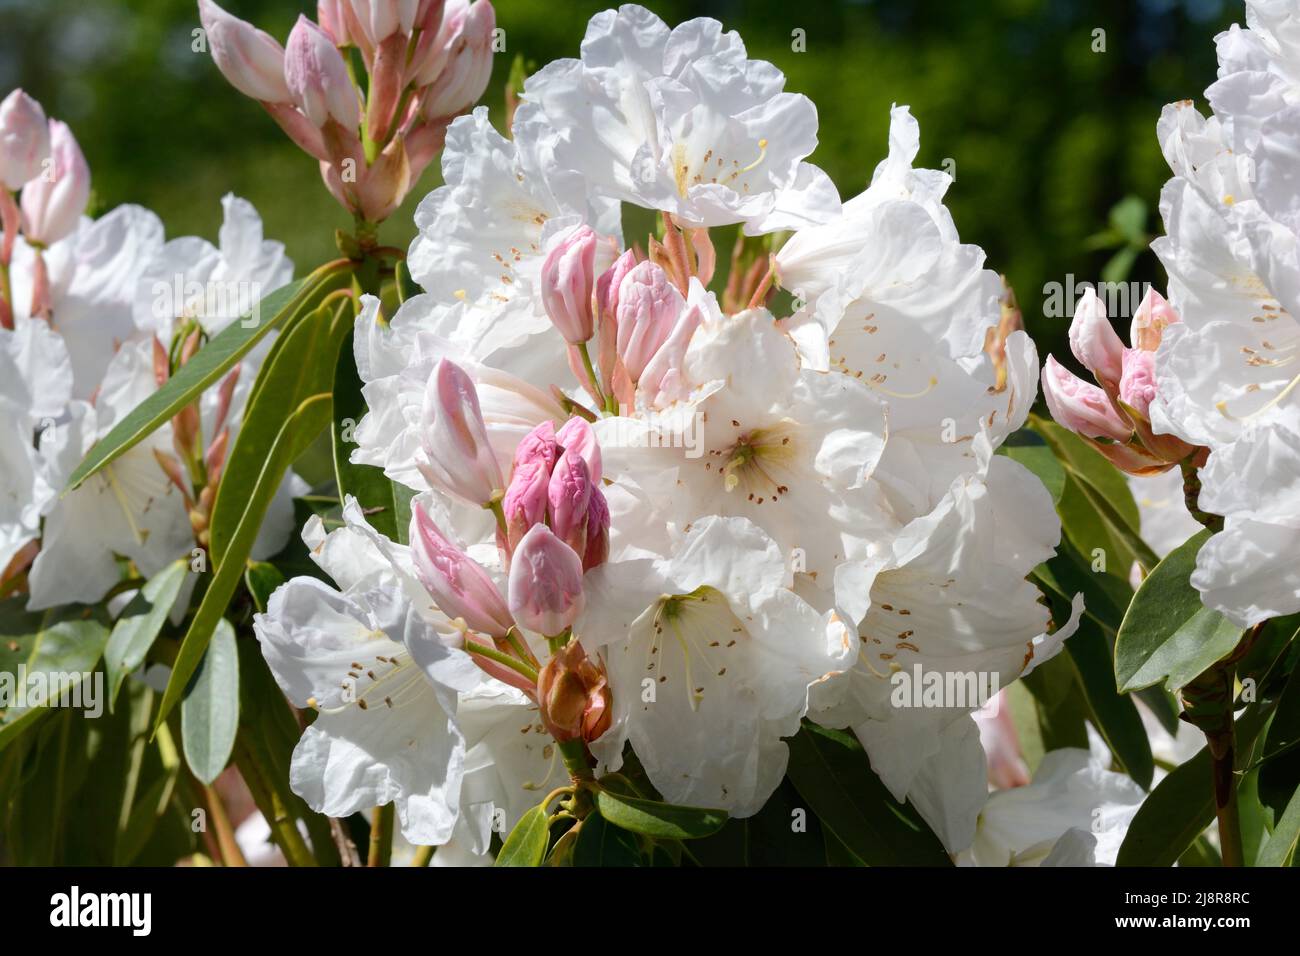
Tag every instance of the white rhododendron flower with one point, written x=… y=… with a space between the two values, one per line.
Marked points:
x=1074 y=813
x=682 y=121
x=1227 y=373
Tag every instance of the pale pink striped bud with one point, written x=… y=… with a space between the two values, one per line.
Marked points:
x=458 y=457
x=1081 y=406
x=648 y=307
x=53 y=202
x=250 y=59
x=568 y=280
x=569 y=494
x=662 y=381
x=545 y=587
x=459 y=585
x=332 y=17
x=24 y=140
x=439 y=22
x=1152 y=317
x=577 y=437
x=1137 y=384
x=318 y=78
x=1094 y=342
x=526 y=500
x=468 y=67
x=381 y=19
x=607 y=287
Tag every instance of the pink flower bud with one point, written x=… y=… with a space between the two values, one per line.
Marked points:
x=569 y=494
x=459 y=458
x=458 y=584
x=577 y=437
x=53 y=202
x=568 y=279
x=381 y=19
x=607 y=287
x=573 y=695
x=526 y=500
x=1137 y=385
x=1006 y=763
x=440 y=27
x=1094 y=342
x=545 y=583
x=1153 y=316
x=540 y=444
x=648 y=307
x=332 y=17
x=318 y=78
x=250 y=60
x=1081 y=406
x=662 y=381
x=597 y=550
x=384 y=184
x=24 y=140
x=468 y=67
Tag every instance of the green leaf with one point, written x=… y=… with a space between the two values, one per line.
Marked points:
x=1029 y=448
x=210 y=711
x=526 y=844
x=600 y=843
x=262 y=579
x=309 y=418
x=1281 y=753
x=139 y=624
x=208 y=365
x=1167 y=634
x=378 y=496
x=831 y=772
x=56 y=649
x=785 y=832
x=406 y=286
x=1182 y=804
x=301 y=365
x=1279 y=848
x=663 y=821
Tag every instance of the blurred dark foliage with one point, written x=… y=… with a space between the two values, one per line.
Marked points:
x=1047 y=135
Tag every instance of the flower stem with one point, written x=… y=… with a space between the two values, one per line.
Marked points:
x=423 y=854
x=492 y=654
x=381 y=836
x=590 y=369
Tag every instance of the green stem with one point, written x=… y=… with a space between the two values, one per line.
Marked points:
x=591 y=373
x=284 y=829
x=381 y=836
x=423 y=854
x=492 y=654
x=576 y=761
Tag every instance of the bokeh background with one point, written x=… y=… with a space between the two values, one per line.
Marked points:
x=1047 y=133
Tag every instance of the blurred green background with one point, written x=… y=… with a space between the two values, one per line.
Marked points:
x=1046 y=133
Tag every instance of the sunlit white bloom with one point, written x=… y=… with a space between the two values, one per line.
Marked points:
x=1074 y=813
x=898 y=241
x=710 y=656
x=382 y=672
x=949 y=597
x=1228 y=375
x=682 y=121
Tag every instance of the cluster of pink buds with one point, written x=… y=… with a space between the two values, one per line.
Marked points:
x=1113 y=416
x=426 y=62
x=552 y=527
x=637 y=310
x=44 y=189
x=195 y=469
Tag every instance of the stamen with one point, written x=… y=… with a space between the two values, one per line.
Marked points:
x=1275 y=400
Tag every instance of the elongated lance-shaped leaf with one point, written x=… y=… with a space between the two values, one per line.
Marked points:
x=298 y=432
x=301 y=365
x=208 y=365
x=139 y=624
x=210 y=711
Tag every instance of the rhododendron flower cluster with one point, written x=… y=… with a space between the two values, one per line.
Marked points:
x=838 y=516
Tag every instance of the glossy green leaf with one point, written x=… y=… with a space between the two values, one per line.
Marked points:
x=600 y=843
x=1280 y=770
x=1279 y=849
x=53 y=649
x=207 y=367
x=302 y=365
x=378 y=496
x=831 y=772
x=1030 y=450
x=140 y=623
x=663 y=821
x=306 y=422
x=526 y=844
x=210 y=710
x=1167 y=634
